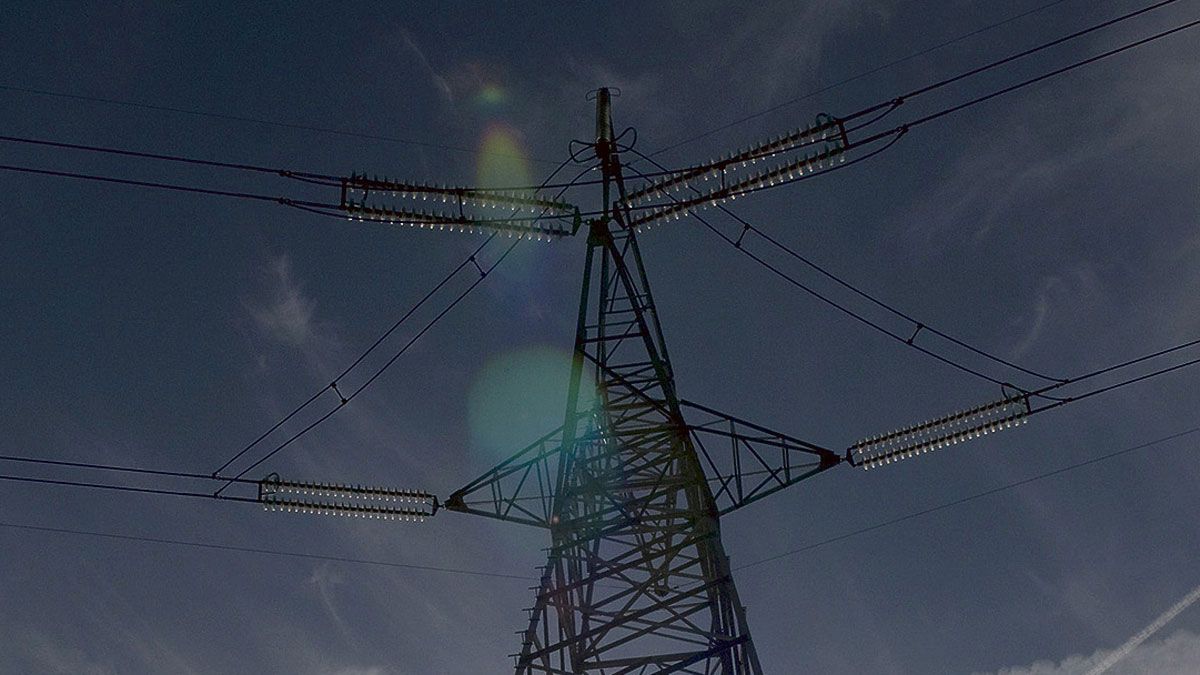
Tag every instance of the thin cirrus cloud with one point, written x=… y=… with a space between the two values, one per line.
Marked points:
x=286 y=314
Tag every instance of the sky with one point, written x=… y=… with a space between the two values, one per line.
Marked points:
x=1055 y=227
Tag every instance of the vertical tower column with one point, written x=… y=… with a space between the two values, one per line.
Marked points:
x=636 y=579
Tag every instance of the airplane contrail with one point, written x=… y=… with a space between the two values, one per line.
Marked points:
x=1133 y=642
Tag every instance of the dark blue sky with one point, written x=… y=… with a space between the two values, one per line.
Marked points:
x=1056 y=227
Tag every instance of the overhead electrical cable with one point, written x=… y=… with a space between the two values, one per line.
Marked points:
x=1043 y=392
x=111 y=467
x=757 y=563
x=273 y=123
x=1033 y=50
x=915 y=55
x=261 y=551
x=354 y=394
x=887 y=106
x=332 y=386
x=969 y=498
x=806 y=167
x=917 y=326
x=1033 y=80
x=842 y=308
x=895 y=134
x=126 y=488
x=307 y=176
x=345 y=399
x=1101 y=390
x=319 y=207
x=176 y=187
x=239 y=478
x=287 y=173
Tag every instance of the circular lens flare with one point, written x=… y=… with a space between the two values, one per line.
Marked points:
x=520 y=396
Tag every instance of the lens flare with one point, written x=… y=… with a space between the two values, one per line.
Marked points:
x=502 y=160
x=521 y=395
x=491 y=96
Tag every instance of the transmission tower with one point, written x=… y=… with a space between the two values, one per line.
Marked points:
x=636 y=579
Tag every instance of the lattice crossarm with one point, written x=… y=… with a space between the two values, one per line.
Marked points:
x=520 y=489
x=746 y=462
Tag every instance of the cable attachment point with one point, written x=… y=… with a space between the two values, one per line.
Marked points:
x=1012 y=391
x=334 y=387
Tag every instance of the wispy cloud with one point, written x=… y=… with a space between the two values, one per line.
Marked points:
x=51 y=656
x=436 y=78
x=1020 y=163
x=1074 y=288
x=787 y=47
x=287 y=313
x=323 y=579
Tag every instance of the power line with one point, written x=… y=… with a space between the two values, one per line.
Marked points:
x=842 y=308
x=325 y=177
x=918 y=325
x=303 y=204
x=1033 y=50
x=256 y=120
x=261 y=551
x=907 y=126
x=1056 y=402
x=918 y=54
x=890 y=105
x=344 y=400
x=1022 y=84
x=1119 y=366
x=111 y=467
x=305 y=176
x=123 y=488
x=326 y=209
x=803 y=549
x=1123 y=383
x=969 y=498
x=1043 y=392
x=167 y=158
x=332 y=386
x=893 y=104
x=176 y=187
x=895 y=135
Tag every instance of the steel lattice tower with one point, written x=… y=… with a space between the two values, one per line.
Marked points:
x=637 y=579
x=631 y=492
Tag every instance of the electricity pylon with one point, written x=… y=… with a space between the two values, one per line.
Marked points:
x=636 y=578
